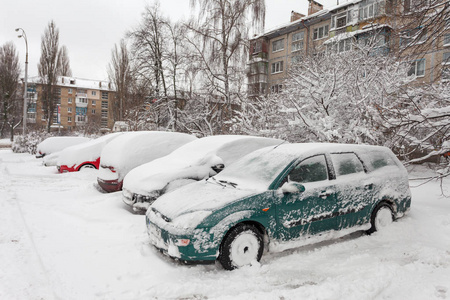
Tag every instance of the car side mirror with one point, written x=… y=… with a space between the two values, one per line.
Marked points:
x=292 y=187
x=217 y=168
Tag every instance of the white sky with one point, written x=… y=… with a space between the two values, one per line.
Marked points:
x=90 y=28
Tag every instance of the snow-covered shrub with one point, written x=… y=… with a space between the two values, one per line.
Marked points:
x=29 y=142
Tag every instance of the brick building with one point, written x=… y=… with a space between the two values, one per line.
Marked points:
x=343 y=28
x=78 y=103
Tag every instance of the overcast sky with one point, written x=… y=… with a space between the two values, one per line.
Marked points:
x=90 y=28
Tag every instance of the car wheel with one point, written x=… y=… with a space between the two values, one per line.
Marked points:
x=241 y=246
x=86 y=166
x=382 y=217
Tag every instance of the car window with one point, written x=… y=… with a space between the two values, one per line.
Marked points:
x=379 y=159
x=310 y=170
x=346 y=163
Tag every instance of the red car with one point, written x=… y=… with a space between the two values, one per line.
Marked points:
x=84 y=156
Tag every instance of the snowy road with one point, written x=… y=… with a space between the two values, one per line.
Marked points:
x=60 y=238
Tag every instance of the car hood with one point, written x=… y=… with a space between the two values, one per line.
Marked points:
x=205 y=195
x=155 y=175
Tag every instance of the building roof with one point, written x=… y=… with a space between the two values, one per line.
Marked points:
x=78 y=83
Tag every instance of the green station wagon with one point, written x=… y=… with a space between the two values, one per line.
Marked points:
x=278 y=198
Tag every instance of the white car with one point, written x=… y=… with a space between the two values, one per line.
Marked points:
x=57 y=143
x=86 y=155
x=133 y=149
x=197 y=160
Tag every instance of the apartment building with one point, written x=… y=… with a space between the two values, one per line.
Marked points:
x=350 y=25
x=78 y=103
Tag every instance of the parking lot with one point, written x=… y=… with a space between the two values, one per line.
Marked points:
x=61 y=238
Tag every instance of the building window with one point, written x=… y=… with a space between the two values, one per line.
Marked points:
x=278 y=45
x=93 y=93
x=257 y=47
x=93 y=102
x=80 y=118
x=104 y=114
x=277 y=67
x=446 y=58
x=446 y=74
x=82 y=100
x=93 y=111
x=55 y=119
x=82 y=91
x=447 y=40
x=417 y=68
x=104 y=104
x=414 y=36
x=58 y=91
x=370 y=9
x=320 y=32
x=69 y=119
x=70 y=91
x=296 y=59
x=69 y=109
x=276 y=88
x=69 y=100
x=104 y=123
x=105 y=95
x=297 y=41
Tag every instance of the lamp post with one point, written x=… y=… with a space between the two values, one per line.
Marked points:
x=26 y=81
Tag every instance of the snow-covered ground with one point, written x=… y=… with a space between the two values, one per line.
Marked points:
x=60 y=238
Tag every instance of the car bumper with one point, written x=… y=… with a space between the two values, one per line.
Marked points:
x=110 y=185
x=170 y=244
x=139 y=203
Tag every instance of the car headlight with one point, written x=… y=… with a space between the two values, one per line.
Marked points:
x=191 y=220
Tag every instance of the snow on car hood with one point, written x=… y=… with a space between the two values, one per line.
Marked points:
x=133 y=149
x=58 y=143
x=88 y=151
x=188 y=199
x=193 y=160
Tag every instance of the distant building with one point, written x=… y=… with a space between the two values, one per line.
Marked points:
x=78 y=103
x=342 y=28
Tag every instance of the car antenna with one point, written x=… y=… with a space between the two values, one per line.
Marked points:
x=279 y=144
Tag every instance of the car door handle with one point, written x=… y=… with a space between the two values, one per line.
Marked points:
x=368 y=186
x=325 y=194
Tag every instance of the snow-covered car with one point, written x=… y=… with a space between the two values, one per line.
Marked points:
x=194 y=161
x=58 y=143
x=51 y=159
x=133 y=149
x=281 y=197
x=84 y=156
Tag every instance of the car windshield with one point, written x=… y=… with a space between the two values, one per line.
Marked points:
x=256 y=170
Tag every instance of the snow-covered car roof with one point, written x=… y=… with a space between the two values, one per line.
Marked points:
x=58 y=143
x=193 y=160
x=133 y=149
x=88 y=151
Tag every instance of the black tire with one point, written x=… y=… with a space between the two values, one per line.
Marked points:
x=244 y=241
x=87 y=166
x=379 y=218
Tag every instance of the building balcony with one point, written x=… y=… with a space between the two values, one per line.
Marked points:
x=81 y=102
x=82 y=95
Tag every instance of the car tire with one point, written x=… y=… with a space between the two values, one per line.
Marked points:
x=382 y=217
x=86 y=166
x=241 y=246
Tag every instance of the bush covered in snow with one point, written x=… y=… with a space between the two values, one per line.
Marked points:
x=29 y=142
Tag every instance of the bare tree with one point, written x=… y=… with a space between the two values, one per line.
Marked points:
x=65 y=62
x=10 y=103
x=220 y=35
x=49 y=69
x=120 y=74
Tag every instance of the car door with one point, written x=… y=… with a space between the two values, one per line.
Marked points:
x=311 y=211
x=354 y=190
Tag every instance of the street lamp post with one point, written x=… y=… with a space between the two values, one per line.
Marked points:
x=26 y=81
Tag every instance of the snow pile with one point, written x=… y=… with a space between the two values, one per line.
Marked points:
x=88 y=151
x=193 y=161
x=62 y=239
x=58 y=143
x=133 y=149
x=5 y=143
